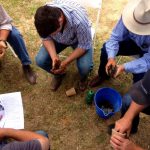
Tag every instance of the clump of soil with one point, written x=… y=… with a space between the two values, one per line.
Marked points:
x=106 y=106
x=112 y=70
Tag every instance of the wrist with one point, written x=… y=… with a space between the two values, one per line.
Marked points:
x=55 y=57
x=111 y=58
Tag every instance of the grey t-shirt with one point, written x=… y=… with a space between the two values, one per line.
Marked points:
x=28 y=145
x=5 y=19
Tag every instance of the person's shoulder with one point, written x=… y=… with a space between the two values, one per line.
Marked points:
x=27 y=145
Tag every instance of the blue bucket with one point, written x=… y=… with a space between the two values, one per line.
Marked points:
x=110 y=96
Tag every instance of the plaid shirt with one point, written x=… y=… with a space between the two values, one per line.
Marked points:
x=78 y=27
x=5 y=20
x=121 y=33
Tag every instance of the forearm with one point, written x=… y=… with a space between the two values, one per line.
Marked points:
x=20 y=135
x=4 y=34
x=133 y=110
x=78 y=52
x=50 y=47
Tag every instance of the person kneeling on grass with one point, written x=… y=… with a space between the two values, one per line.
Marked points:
x=24 y=140
x=136 y=101
x=62 y=24
x=9 y=33
x=131 y=36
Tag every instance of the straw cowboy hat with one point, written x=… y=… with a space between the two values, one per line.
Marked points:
x=136 y=16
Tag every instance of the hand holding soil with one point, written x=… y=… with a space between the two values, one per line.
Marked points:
x=61 y=67
x=112 y=70
x=56 y=65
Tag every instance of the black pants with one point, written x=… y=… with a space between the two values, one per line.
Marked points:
x=126 y=48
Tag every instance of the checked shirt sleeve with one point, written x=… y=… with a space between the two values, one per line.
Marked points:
x=84 y=36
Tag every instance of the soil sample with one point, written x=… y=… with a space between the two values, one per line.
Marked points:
x=106 y=106
x=57 y=65
x=112 y=70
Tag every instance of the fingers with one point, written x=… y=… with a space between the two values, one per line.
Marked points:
x=119 y=127
x=120 y=69
x=59 y=71
x=56 y=64
x=110 y=65
x=116 y=141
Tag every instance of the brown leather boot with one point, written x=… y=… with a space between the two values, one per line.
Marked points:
x=56 y=82
x=29 y=74
x=96 y=81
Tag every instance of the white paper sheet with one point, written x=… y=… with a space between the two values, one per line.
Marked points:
x=13 y=111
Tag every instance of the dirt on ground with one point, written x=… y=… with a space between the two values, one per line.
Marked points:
x=69 y=121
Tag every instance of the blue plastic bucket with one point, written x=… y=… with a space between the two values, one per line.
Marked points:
x=112 y=97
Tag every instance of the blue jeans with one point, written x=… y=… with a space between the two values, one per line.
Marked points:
x=126 y=48
x=125 y=105
x=16 y=41
x=41 y=132
x=84 y=63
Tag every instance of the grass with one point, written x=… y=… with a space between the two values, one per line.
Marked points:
x=70 y=123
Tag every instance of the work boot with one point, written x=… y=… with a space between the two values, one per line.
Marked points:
x=56 y=82
x=96 y=81
x=29 y=74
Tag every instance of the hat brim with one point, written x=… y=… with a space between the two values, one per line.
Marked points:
x=130 y=23
x=138 y=95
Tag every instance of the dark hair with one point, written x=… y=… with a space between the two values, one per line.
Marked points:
x=46 y=20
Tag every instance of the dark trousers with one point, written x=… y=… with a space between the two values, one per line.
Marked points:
x=126 y=48
x=126 y=101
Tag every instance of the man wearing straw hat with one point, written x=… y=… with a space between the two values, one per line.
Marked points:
x=131 y=36
x=137 y=100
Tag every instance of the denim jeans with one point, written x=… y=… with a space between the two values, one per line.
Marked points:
x=126 y=48
x=125 y=105
x=16 y=41
x=84 y=63
x=41 y=132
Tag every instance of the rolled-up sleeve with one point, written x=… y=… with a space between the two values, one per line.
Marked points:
x=139 y=65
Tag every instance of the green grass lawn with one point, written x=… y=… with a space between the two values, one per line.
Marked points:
x=70 y=123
